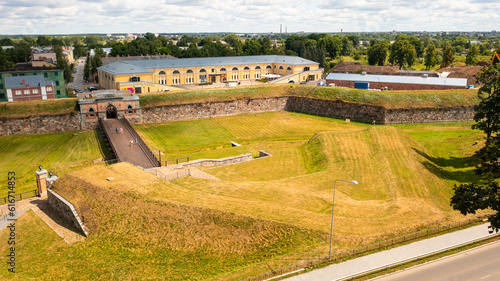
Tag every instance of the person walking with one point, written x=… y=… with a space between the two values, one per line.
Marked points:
x=117 y=130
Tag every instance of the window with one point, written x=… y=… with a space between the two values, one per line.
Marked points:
x=130 y=110
x=213 y=70
x=45 y=75
x=257 y=67
x=57 y=83
x=189 y=71
x=91 y=112
x=134 y=79
x=268 y=67
x=246 y=68
x=288 y=68
x=202 y=70
x=56 y=73
x=176 y=72
x=223 y=69
x=49 y=89
x=306 y=68
x=281 y=67
x=26 y=92
x=18 y=92
x=235 y=68
x=162 y=73
x=35 y=91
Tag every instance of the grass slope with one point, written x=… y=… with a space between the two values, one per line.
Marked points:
x=57 y=152
x=135 y=237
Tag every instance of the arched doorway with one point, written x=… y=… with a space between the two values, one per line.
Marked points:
x=111 y=112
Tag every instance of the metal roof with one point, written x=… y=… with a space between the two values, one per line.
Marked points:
x=12 y=82
x=441 y=81
x=144 y=66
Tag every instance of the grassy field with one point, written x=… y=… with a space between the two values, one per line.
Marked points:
x=262 y=214
x=58 y=152
x=134 y=237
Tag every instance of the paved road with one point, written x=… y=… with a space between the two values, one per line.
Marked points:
x=78 y=80
x=482 y=263
x=382 y=259
x=122 y=146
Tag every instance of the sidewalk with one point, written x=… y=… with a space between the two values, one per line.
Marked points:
x=344 y=270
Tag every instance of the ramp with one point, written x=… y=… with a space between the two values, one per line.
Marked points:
x=138 y=153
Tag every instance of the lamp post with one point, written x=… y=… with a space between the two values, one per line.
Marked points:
x=333 y=208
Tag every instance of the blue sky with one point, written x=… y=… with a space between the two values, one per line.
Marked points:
x=245 y=16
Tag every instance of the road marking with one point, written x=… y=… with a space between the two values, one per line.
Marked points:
x=487 y=276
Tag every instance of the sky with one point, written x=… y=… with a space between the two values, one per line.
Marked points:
x=245 y=16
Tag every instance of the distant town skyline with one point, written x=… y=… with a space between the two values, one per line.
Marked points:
x=31 y=17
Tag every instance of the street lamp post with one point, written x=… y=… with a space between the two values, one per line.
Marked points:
x=333 y=208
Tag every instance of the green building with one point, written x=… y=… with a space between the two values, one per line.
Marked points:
x=49 y=73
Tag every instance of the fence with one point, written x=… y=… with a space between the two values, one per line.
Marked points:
x=142 y=144
x=349 y=254
x=20 y=196
x=176 y=161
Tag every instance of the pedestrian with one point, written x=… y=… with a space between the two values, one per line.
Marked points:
x=130 y=142
x=117 y=130
x=135 y=140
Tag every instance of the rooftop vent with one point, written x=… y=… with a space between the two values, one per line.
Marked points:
x=425 y=75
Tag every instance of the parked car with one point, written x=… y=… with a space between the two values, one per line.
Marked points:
x=92 y=89
x=303 y=82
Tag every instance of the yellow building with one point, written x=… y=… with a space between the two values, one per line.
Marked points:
x=154 y=75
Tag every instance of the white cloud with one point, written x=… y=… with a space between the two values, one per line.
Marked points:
x=113 y=16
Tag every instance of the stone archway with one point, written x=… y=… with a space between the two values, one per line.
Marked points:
x=111 y=112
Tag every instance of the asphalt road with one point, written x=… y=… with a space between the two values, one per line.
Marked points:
x=481 y=264
x=78 y=80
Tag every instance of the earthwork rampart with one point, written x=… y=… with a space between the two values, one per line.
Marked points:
x=329 y=108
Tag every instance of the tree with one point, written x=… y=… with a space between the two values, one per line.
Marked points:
x=4 y=60
x=468 y=198
x=377 y=54
x=430 y=59
x=402 y=53
x=472 y=54
x=447 y=56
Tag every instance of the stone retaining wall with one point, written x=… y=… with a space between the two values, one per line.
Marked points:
x=39 y=125
x=212 y=109
x=218 y=162
x=67 y=210
x=329 y=108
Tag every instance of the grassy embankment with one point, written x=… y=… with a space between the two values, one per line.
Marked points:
x=58 y=152
x=271 y=212
x=389 y=99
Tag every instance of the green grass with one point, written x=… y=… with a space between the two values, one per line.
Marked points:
x=134 y=237
x=57 y=152
x=38 y=108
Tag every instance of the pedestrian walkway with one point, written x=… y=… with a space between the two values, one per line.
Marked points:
x=120 y=140
x=41 y=207
x=380 y=260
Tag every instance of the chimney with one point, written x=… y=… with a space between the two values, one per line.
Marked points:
x=22 y=82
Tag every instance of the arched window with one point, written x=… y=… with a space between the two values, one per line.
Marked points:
x=176 y=72
x=268 y=67
x=246 y=68
x=91 y=112
x=257 y=67
x=281 y=67
x=134 y=79
x=130 y=109
x=223 y=69
x=202 y=70
x=306 y=68
x=235 y=69
x=189 y=71
x=288 y=68
x=162 y=72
